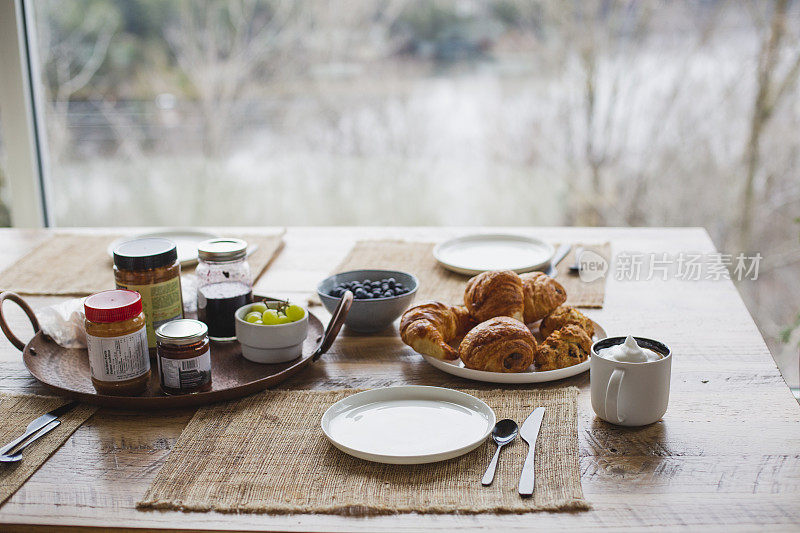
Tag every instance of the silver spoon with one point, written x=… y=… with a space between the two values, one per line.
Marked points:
x=559 y=256
x=504 y=432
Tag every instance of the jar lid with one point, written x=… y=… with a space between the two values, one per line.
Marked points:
x=144 y=254
x=222 y=249
x=182 y=331
x=115 y=305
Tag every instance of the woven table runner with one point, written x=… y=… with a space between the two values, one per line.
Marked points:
x=438 y=283
x=76 y=264
x=267 y=454
x=16 y=412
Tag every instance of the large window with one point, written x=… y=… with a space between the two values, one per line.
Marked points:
x=505 y=112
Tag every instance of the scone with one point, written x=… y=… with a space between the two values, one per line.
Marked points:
x=565 y=316
x=565 y=347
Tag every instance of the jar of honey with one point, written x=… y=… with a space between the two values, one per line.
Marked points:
x=116 y=338
x=151 y=268
x=184 y=357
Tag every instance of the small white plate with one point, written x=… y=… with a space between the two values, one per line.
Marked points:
x=186 y=241
x=408 y=425
x=457 y=368
x=473 y=254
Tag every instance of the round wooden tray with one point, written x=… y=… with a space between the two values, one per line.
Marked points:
x=66 y=370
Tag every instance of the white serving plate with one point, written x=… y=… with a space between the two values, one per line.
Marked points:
x=408 y=425
x=473 y=254
x=186 y=240
x=457 y=368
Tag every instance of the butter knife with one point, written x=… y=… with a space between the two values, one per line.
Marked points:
x=38 y=424
x=529 y=433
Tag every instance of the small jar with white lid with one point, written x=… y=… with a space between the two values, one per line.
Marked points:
x=184 y=357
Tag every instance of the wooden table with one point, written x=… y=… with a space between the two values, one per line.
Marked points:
x=726 y=455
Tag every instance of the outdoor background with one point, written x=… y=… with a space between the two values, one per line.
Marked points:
x=463 y=112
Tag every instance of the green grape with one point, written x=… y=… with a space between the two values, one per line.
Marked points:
x=295 y=313
x=259 y=322
x=283 y=319
x=252 y=317
x=259 y=307
x=270 y=317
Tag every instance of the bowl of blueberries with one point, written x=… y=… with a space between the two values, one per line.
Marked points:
x=379 y=296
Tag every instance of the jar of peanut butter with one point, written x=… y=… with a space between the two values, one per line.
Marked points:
x=151 y=268
x=116 y=338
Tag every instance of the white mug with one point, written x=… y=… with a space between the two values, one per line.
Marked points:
x=630 y=394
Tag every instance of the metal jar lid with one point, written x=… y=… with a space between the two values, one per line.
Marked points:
x=145 y=254
x=181 y=332
x=216 y=250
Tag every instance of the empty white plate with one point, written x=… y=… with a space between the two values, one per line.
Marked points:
x=408 y=425
x=474 y=254
x=457 y=368
x=186 y=241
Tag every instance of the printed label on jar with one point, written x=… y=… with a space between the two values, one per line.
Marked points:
x=186 y=374
x=118 y=358
x=161 y=303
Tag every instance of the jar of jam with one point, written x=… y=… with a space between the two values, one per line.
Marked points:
x=151 y=268
x=184 y=357
x=224 y=285
x=116 y=338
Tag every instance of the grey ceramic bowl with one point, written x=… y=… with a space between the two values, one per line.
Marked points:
x=369 y=316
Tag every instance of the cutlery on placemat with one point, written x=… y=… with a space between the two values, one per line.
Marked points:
x=575 y=268
x=559 y=256
x=36 y=429
x=504 y=432
x=529 y=433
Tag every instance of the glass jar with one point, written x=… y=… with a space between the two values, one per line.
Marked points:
x=116 y=339
x=224 y=285
x=151 y=268
x=184 y=357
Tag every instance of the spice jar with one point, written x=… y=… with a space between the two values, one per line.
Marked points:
x=151 y=268
x=116 y=338
x=184 y=357
x=223 y=285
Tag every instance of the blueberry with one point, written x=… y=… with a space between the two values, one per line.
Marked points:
x=366 y=282
x=388 y=294
x=337 y=292
x=384 y=287
x=399 y=286
x=377 y=294
x=391 y=282
x=360 y=293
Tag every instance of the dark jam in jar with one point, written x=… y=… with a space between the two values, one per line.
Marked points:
x=184 y=357
x=217 y=304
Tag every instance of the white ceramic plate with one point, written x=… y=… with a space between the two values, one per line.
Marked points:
x=457 y=368
x=186 y=241
x=473 y=254
x=408 y=425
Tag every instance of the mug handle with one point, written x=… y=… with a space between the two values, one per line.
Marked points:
x=612 y=396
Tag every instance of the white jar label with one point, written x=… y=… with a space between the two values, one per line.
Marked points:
x=185 y=374
x=118 y=358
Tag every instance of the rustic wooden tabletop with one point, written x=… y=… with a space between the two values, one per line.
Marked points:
x=725 y=456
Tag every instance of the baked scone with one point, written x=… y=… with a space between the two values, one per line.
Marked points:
x=542 y=294
x=564 y=347
x=564 y=316
x=429 y=327
x=500 y=344
x=494 y=293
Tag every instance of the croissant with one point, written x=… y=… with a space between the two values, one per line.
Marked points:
x=494 y=293
x=564 y=347
x=564 y=316
x=500 y=344
x=542 y=294
x=429 y=327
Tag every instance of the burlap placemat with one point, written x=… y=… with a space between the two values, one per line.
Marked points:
x=267 y=454
x=76 y=264
x=438 y=283
x=16 y=412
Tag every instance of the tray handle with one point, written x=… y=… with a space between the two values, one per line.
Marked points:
x=335 y=324
x=14 y=297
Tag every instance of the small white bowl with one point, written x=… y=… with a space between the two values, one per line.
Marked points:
x=270 y=344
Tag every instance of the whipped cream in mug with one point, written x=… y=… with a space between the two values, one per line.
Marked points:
x=629 y=352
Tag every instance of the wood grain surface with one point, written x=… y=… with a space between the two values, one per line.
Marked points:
x=726 y=456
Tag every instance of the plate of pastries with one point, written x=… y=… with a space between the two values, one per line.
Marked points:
x=511 y=328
